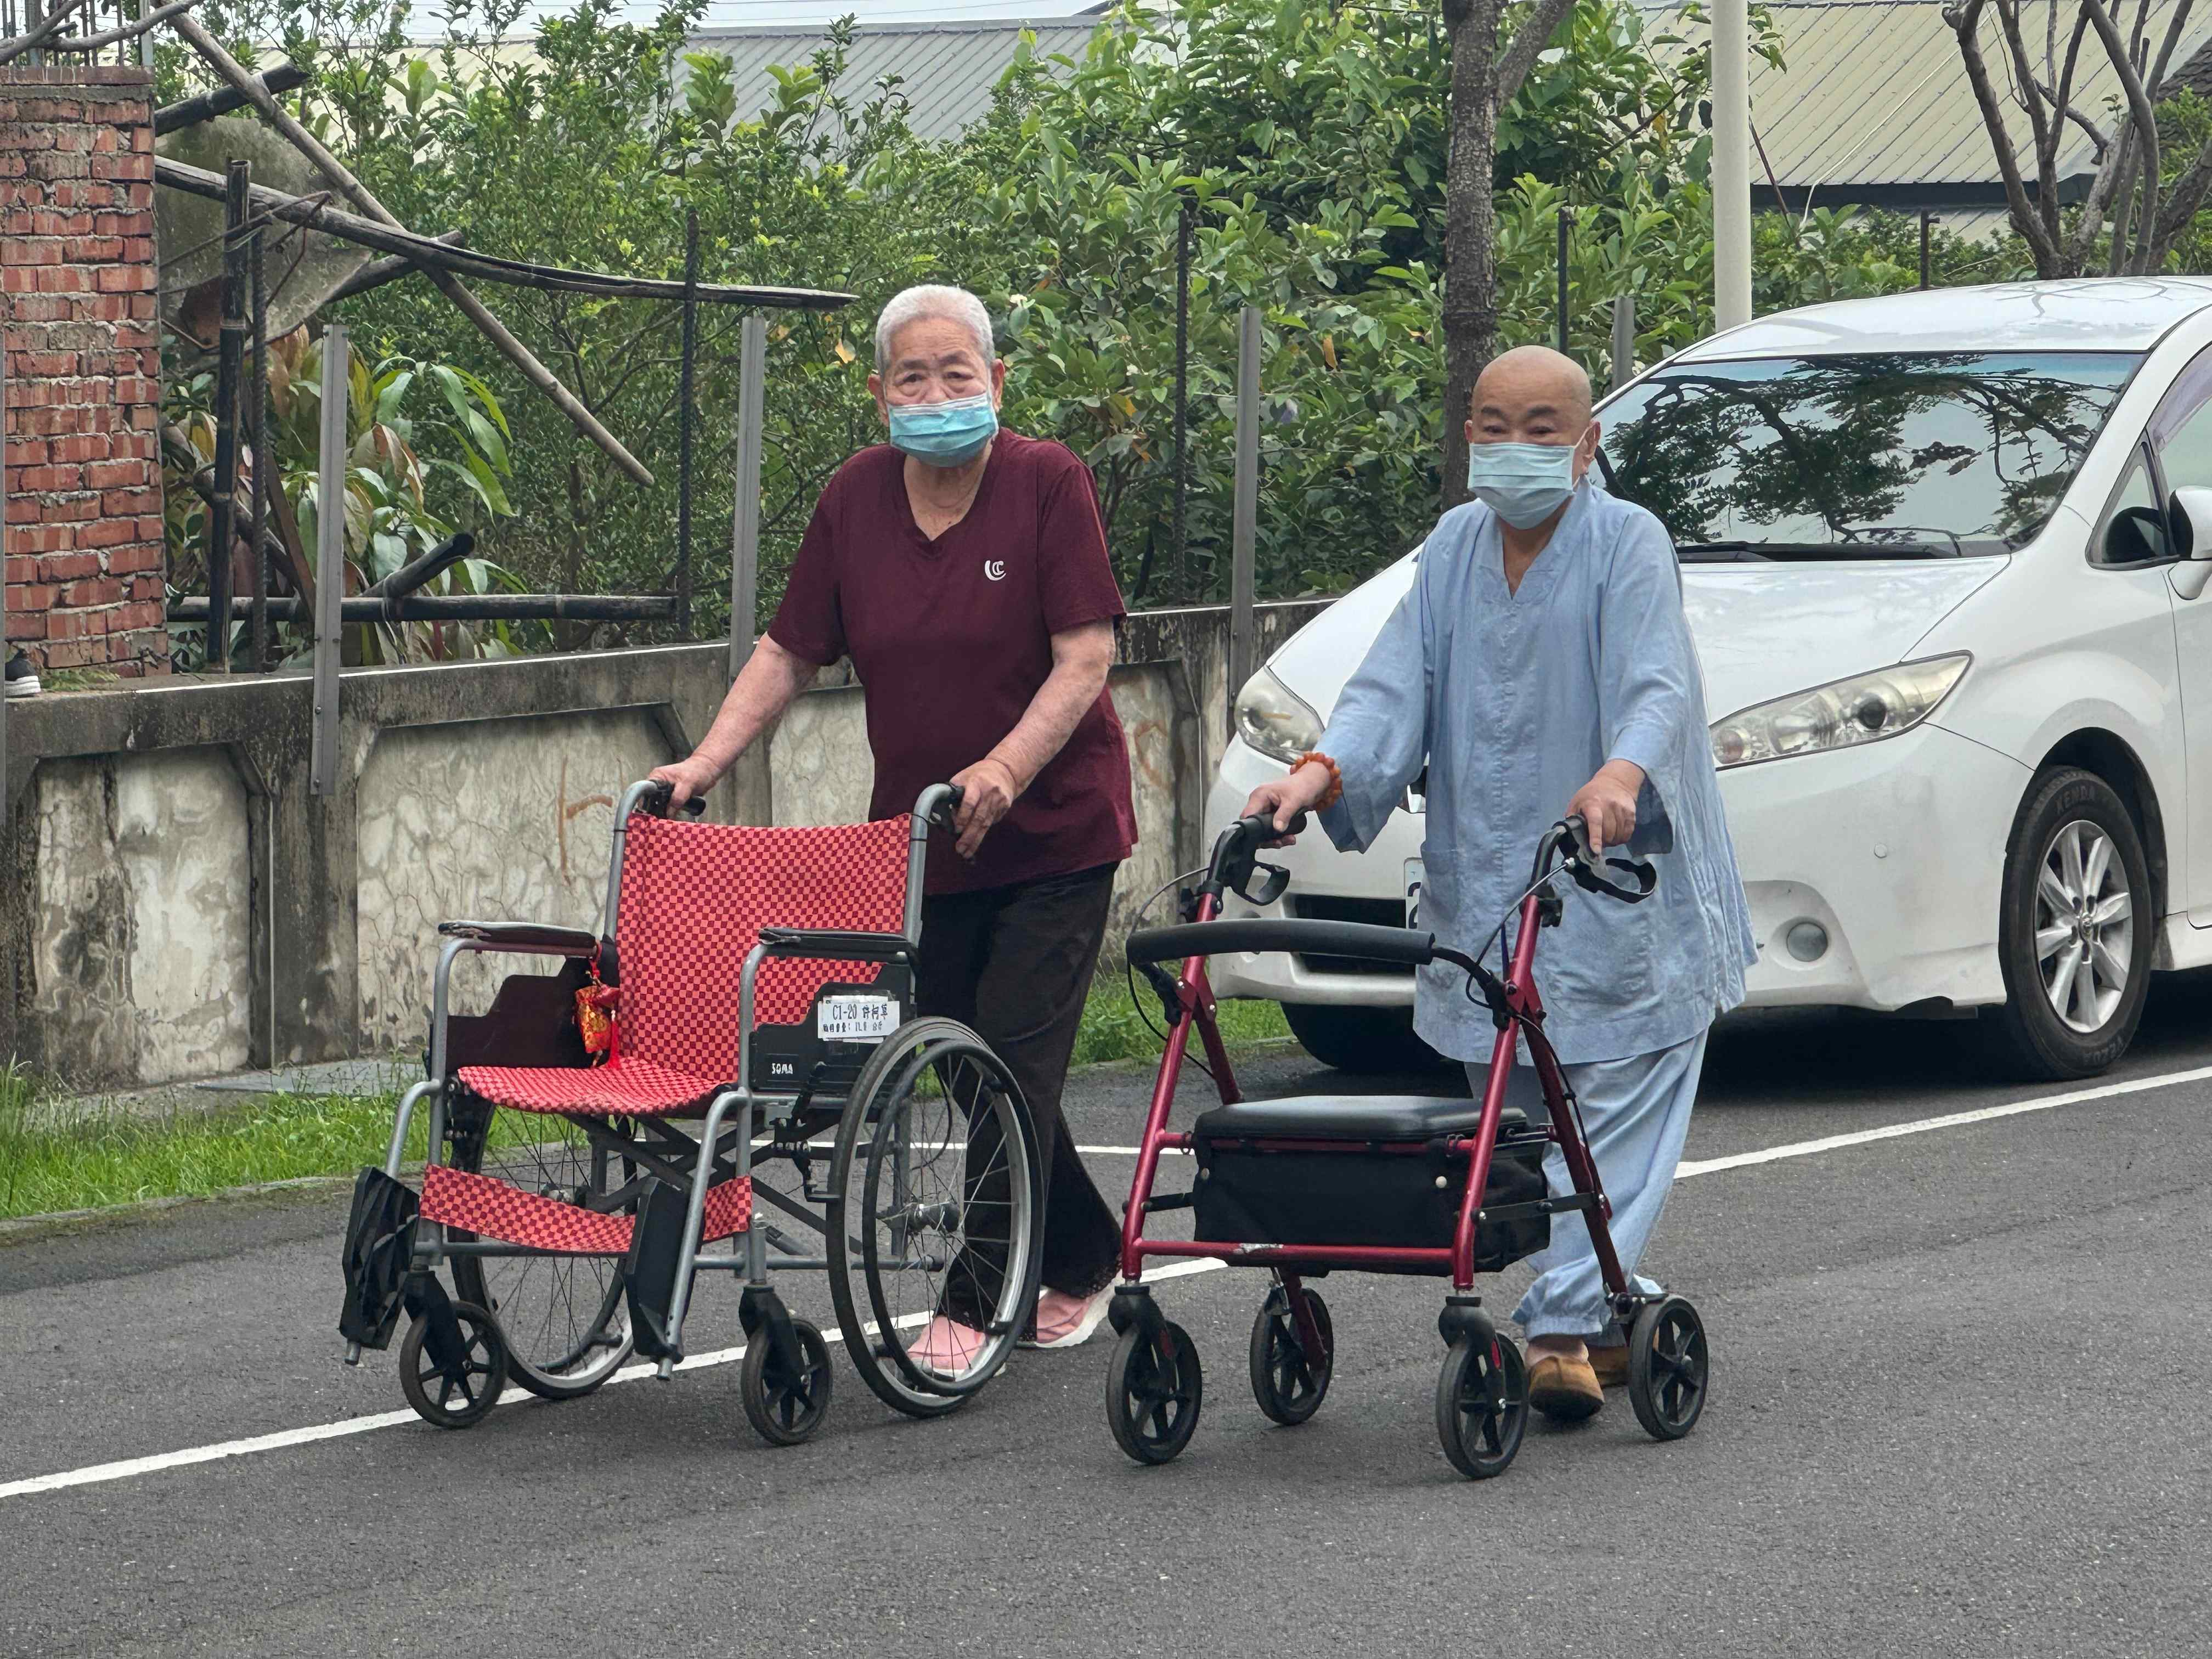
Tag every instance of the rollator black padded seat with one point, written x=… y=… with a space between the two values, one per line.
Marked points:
x=1397 y=1188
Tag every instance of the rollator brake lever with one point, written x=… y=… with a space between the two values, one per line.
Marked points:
x=1587 y=868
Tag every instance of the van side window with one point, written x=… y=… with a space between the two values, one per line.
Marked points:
x=2134 y=529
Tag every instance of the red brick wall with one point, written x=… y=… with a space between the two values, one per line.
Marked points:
x=78 y=281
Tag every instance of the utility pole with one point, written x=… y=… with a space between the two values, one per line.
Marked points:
x=1731 y=93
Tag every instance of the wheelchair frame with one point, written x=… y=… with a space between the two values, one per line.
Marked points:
x=732 y=1148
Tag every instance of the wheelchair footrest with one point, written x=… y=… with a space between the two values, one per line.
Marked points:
x=494 y=1209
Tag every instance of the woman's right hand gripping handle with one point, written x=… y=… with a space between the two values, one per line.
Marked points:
x=687 y=780
x=1288 y=800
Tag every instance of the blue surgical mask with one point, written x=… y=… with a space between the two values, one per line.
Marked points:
x=1522 y=483
x=950 y=433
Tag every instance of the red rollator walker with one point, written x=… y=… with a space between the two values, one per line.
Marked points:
x=1394 y=1184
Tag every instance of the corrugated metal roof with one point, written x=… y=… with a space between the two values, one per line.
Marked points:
x=946 y=72
x=1873 y=94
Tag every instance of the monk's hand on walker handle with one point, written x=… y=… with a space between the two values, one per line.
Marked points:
x=987 y=790
x=1606 y=805
x=1287 y=800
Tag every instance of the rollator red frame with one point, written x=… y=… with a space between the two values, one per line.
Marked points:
x=1154 y=1383
x=1522 y=1017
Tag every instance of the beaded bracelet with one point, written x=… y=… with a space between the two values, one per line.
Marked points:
x=1334 y=793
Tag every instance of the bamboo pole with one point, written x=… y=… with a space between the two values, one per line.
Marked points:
x=330 y=559
x=1243 y=623
x=745 y=521
x=278 y=78
x=451 y=286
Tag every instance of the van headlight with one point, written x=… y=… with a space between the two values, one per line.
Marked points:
x=1275 y=719
x=1864 y=708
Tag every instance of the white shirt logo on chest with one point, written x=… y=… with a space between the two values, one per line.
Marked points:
x=995 y=569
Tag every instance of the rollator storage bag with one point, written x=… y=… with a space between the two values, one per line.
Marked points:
x=1362 y=1169
x=378 y=1252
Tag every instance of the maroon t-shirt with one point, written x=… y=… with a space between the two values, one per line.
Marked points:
x=951 y=640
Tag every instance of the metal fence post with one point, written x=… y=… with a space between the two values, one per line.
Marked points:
x=222 y=517
x=1243 y=625
x=687 y=418
x=1567 y=229
x=265 y=472
x=1624 y=340
x=744 y=516
x=1182 y=594
x=330 y=558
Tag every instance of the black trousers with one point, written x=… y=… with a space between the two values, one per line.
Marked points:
x=1014 y=965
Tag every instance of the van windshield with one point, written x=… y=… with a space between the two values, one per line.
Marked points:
x=1885 y=455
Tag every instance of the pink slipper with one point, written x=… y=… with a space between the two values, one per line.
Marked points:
x=1066 y=1321
x=947 y=1347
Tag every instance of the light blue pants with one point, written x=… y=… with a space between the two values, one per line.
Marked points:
x=1637 y=1114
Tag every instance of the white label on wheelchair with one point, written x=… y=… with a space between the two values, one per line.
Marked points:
x=856 y=1019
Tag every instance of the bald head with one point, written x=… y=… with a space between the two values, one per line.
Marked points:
x=1530 y=382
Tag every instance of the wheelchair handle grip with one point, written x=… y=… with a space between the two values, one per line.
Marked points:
x=948 y=803
x=658 y=794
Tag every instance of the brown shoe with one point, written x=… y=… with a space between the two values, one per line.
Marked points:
x=1611 y=1365
x=1565 y=1390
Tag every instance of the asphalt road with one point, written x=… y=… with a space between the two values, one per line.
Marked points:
x=1958 y=1409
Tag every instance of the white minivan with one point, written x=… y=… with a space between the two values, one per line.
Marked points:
x=1945 y=555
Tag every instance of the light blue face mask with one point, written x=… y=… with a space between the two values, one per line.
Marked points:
x=950 y=433
x=1522 y=483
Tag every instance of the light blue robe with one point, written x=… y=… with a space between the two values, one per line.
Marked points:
x=1513 y=700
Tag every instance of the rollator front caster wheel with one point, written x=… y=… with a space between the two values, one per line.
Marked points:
x=1668 y=1368
x=1289 y=1384
x=454 y=1402
x=1482 y=1406
x=1153 y=1390
x=786 y=1406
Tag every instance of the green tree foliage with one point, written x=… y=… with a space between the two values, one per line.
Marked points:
x=1303 y=142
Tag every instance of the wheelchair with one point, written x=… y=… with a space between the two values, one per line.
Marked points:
x=1389 y=1184
x=755 y=999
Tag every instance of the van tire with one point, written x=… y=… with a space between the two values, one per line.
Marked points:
x=2029 y=1029
x=1368 y=1041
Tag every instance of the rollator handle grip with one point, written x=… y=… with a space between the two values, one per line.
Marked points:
x=1589 y=870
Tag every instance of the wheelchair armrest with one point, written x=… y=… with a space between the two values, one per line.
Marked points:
x=523 y=936
x=834 y=946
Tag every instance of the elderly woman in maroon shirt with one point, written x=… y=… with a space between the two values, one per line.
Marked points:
x=963 y=569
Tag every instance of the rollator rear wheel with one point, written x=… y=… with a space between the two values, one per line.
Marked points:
x=1154 y=1388
x=454 y=1402
x=563 y=1318
x=1482 y=1406
x=934 y=1193
x=1668 y=1368
x=1288 y=1385
x=786 y=1406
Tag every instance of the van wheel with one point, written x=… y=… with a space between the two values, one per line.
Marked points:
x=1368 y=1040
x=2076 y=929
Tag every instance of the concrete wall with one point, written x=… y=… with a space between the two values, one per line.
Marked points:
x=175 y=902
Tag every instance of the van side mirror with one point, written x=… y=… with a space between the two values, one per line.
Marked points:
x=2192 y=514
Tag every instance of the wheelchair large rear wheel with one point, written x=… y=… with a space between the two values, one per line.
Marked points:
x=935 y=1193
x=562 y=1318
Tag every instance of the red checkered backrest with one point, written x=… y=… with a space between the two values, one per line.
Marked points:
x=694 y=899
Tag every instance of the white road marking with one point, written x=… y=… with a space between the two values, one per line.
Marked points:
x=128 y=1467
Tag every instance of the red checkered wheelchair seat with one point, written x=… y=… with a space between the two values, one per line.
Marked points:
x=693 y=902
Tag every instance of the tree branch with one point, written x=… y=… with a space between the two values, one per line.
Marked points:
x=1519 y=57
x=1966 y=22
x=2139 y=110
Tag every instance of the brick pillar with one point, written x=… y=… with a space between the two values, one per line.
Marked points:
x=84 y=565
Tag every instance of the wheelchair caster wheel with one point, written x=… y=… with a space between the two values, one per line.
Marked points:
x=449 y=1401
x=785 y=1406
x=1153 y=1389
x=1289 y=1384
x=1482 y=1406
x=1668 y=1368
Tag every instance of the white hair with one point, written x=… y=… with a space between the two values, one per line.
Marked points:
x=933 y=300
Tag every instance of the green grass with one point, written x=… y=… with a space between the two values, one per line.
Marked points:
x=109 y=1156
